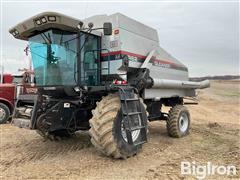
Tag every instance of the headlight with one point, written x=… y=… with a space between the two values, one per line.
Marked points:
x=44 y=20
x=38 y=22
x=16 y=32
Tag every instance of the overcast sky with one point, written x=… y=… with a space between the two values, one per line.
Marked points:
x=204 y=36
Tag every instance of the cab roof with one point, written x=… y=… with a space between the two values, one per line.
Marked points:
x=42 y=22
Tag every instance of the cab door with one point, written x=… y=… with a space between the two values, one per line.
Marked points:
x=90 y=66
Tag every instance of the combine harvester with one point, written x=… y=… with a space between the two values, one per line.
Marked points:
x=105 y=74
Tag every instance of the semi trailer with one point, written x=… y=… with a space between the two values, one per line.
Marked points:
x=108 y=75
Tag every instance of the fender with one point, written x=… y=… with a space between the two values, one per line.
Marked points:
x=8 y=103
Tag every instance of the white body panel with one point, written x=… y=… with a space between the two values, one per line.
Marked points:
x=136 y=40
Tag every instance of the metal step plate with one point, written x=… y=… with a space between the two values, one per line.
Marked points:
x=21 y=123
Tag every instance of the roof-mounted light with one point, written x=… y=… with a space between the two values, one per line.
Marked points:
x=44 y=20
x=15 y=32
x=38 y=22
x=52 y=18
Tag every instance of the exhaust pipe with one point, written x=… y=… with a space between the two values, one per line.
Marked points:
x=165 y=83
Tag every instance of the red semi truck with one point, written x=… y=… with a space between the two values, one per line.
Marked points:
x=7 y=97
x=16 y=93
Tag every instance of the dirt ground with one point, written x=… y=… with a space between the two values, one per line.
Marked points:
x=215 y=137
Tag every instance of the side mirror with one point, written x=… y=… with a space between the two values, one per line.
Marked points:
x=107 y=28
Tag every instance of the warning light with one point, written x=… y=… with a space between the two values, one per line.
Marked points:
x=116 y=82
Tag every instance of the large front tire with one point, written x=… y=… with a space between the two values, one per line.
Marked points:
x=106 y=129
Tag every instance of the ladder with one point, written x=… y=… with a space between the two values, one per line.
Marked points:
x=132 y=116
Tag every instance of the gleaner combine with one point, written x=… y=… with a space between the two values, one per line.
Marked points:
x=105 y=74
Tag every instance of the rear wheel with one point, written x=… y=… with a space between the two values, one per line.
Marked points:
x=107 y=132
x=178 y=124
x=4 y=113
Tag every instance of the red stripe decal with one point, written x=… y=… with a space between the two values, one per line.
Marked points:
x=138 y=56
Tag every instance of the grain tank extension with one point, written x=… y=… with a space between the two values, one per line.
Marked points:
x=105 y=74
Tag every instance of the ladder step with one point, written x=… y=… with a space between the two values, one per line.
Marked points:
x=133 y=99
x=139 y=143
x=135 y=128
x=132 y=113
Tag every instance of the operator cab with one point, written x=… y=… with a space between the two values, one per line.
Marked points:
x=55 y=58
x=65 y=54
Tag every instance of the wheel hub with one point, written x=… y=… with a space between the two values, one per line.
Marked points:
x=135 y=135
x=183 y=122
x=2 y=113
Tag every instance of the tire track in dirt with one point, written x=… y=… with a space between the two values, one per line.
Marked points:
x=36 y=149
x=211 y=144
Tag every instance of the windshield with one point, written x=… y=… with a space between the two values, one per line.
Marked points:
x=54 y=56
x=17 y=79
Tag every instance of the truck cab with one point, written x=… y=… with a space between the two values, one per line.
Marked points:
x=7 y=98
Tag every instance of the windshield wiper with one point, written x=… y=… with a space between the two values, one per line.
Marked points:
x=61 y=39
x=46 y=39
